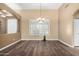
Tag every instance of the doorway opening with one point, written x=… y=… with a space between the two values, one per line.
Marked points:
x=76 y=29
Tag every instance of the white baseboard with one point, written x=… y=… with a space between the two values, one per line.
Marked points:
x=31 y=39
x=34 y=39
x=52 y=39
x=9 y=45
x=66 y=44
x=38 y=39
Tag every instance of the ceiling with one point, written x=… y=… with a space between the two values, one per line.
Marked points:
x=34 y=5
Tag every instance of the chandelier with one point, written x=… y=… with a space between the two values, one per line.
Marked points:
x=40 y=19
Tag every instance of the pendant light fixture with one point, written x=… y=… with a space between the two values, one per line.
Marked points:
x=40 y=19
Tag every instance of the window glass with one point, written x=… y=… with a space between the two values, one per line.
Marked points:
x=11 y=26
x=39 y=28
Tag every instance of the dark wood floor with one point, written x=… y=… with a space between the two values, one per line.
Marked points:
x=40 y=48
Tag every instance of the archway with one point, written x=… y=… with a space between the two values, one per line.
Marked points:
x=76 y=28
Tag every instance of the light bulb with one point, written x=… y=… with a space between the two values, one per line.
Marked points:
x=43 y=19
x=39 y=18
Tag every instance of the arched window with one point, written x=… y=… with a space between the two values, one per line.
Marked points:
x=39 y=27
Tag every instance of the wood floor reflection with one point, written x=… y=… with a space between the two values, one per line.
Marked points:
x=39 y=48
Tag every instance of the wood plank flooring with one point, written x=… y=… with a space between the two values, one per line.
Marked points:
x=39 y=48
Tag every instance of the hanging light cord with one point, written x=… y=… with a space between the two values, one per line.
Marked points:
x=40 y=9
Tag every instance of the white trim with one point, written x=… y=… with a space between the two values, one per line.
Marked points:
x=66 y=43
x=38 y=39
x=35 y=39
x=9 y=45
x=52 y=39
x=31 y=39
